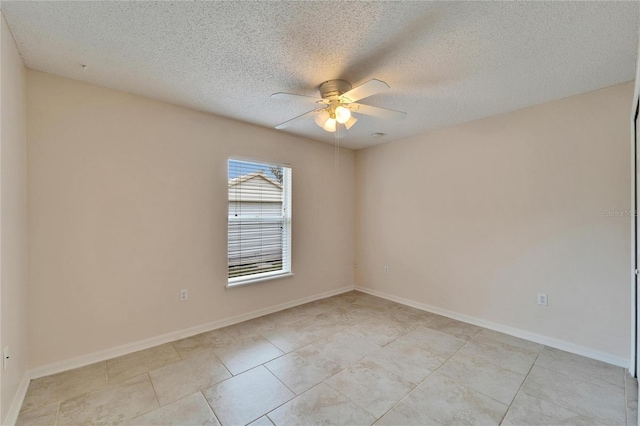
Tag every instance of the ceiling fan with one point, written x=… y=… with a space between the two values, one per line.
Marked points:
x=338 y=101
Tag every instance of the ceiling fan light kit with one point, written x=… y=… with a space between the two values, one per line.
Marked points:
x=339 y=102
x=328 y=118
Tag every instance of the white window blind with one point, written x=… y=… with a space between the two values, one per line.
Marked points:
x=259 y=225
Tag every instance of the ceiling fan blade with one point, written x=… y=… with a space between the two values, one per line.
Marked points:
x=298 y=118
x=365 y=90
x=294 y=97
x=352 y=120
x=389 y=114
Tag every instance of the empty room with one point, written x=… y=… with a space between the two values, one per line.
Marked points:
x=319 y=213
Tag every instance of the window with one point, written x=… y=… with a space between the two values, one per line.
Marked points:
x=259 y=225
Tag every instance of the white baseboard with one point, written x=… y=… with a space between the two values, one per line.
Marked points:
x=18 y=398
x=534 y=337
x=128 y=348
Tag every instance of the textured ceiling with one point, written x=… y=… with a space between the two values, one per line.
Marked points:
x=446 y=62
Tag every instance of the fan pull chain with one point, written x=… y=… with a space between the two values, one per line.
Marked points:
x=336 y=150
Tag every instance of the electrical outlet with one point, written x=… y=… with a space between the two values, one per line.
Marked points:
x=355 y=265
x=5 y=358
x=184 y=295
x=542 y=299
x=386 y=269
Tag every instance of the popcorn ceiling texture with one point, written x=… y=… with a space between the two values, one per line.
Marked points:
x=446 y=62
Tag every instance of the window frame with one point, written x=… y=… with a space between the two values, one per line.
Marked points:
x=285 y=219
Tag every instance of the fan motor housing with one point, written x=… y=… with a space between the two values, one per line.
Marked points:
x=333 y=88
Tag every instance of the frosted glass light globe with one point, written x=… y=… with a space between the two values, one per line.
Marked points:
x=330 y=125
x=342 y=115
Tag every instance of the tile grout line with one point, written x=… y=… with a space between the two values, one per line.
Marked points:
x=154 y=389
x=424 y=380
x=521 y=385
x=154 y=394
x=295 y=395
x=551 y=369
x=626 y=400
x=419 y=383
x=634 y=384
x=632 y=381
x=316 y=340
x=490 y=361
x=223 y=366
x=352 y=401
x=278 y=379
x=57 y=414
x=209 y=405
x=436 y=370
x=554 y=403
x=451 y=356
x=561 y=373
x=519 y=388
x=303 y=319
x=176 y=349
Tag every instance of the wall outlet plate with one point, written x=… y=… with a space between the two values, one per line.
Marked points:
x=184 y=295
x=542 y=299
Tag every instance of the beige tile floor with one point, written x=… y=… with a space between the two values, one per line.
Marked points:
x=352 y=359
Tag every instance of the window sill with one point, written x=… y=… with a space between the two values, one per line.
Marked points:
x=240 y=283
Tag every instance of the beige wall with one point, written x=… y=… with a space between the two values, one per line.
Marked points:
x=13 y=216
x=128 y=205
x=479 y=218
